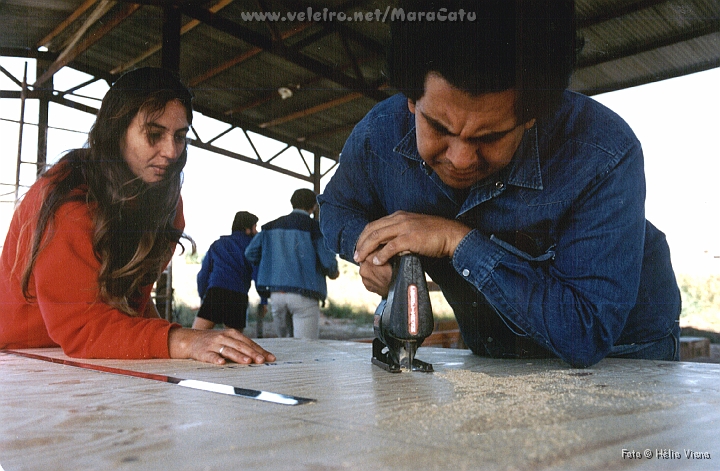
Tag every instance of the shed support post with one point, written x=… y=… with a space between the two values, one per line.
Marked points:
x=172 y=19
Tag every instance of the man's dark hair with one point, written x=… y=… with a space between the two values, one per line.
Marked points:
x=244 y=220
x=303 y=199
x=527 y=45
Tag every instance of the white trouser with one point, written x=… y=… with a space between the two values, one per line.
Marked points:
x=295 y=315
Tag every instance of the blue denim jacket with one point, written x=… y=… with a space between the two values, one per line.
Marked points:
x=291 y=256
x=560 y=252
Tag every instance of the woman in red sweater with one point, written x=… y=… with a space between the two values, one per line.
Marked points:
x=93 y=233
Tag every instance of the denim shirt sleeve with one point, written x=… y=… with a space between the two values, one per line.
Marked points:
x=574 y=299
x=254 y=249
x=325 y=256
x=343 y=206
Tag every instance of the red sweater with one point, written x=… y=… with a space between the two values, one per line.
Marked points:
x=65 y=310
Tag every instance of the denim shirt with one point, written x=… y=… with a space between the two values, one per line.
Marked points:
x=292 y=256
x=560 y=251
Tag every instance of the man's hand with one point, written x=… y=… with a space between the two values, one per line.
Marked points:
x=401 y=232
x=376 y=278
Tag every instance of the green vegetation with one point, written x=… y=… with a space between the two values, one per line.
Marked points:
x=700 y=295
x=347 y=311
x=183 y=314
x=192 y=258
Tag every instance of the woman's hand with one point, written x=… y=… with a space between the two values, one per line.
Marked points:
x=215 y=346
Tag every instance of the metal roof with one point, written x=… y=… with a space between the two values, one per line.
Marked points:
x=334 y=70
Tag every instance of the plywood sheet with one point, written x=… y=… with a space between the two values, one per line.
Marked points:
x=472 y=413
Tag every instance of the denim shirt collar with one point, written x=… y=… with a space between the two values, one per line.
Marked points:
x=525 y=165
x=523 y=170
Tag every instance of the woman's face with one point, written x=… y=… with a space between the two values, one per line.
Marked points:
x=153 y=143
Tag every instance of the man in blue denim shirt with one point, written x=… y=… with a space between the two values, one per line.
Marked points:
x=525 y=200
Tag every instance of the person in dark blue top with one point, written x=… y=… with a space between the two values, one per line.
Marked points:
x=225 y=276
x=525 y=200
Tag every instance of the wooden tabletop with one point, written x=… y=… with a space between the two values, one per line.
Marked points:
x=472 y=413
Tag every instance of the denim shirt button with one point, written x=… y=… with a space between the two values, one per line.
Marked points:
x=466 y=272
x=499 y=185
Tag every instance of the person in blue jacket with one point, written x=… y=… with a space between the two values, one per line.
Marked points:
x=225 y=276
x=293 y=262
x=526 y=201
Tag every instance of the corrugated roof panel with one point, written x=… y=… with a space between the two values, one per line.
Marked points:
x=627 y=43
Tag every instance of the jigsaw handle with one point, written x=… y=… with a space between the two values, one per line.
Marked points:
x=406 y=314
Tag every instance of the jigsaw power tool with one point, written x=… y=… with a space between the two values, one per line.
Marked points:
x=404 y=319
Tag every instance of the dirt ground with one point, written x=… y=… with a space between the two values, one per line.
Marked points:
x=344 y=329
x=330 y=329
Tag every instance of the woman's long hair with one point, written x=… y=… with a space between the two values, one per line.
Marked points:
x=134 y=234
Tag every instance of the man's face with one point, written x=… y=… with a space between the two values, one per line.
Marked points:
x=150 y=146
x=465 y=138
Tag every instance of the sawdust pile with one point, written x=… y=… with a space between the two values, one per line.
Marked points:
x=484 y=402
x=548 y=416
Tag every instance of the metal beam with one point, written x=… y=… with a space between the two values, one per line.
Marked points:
x=624 y=9
x=312 y=110
x=274 y=94
x=258 y=40
x=326 y=132
x=74 y=50
x=234 y=120
x=172 y=23
x=629 y=50
x=254 y=161
x=316 y=175
x=45 y=42
x=187 y=27
x=43 y=120
x=645 y=79
x=252 y=52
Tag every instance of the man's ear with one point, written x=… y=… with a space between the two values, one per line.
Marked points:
x=411 y=106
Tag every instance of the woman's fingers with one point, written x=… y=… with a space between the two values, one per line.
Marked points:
x=240 y=349
x=216 y=346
